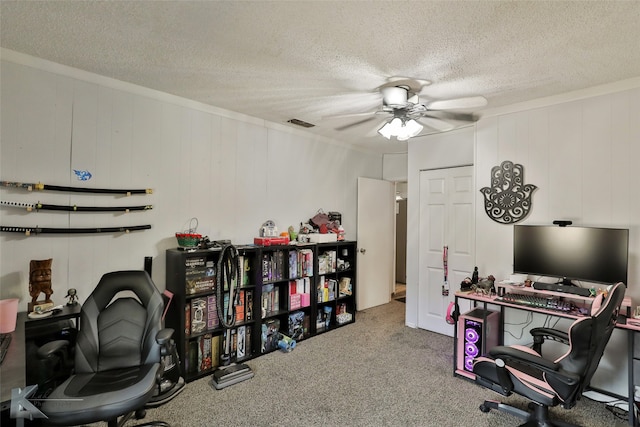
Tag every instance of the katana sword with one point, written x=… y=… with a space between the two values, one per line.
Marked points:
x=41 y=186
x=28 y=231
x=74 y=208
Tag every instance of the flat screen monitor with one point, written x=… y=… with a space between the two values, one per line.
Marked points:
x=590 y=254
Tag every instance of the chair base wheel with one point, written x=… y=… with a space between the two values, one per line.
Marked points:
x=484 y=408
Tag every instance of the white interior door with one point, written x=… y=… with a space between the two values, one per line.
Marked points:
x=446 y=219
x=376 y=242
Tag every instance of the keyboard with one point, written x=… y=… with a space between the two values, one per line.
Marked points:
x=5 y=340
x=536 y=301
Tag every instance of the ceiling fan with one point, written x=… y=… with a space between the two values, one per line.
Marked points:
x=406 y=115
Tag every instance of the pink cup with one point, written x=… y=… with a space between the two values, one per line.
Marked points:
x=8 y=315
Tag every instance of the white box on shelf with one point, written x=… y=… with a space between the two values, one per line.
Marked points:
x=318 y=238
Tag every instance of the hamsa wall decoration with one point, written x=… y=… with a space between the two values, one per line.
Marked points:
x=508 y=200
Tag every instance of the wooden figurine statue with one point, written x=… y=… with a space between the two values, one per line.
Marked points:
x=40 y=281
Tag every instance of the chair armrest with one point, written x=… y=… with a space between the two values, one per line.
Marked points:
x=51 y=348
x=164 y=335
x=510 y=354
x=552 y=334
x=541 y=334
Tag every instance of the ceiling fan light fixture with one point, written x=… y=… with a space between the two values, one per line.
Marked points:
x=413 y=128
x=385 y=130
x=401 y=129
x=391 y=128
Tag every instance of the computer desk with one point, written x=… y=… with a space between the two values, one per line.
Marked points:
x=13 y=368
x=479 y=299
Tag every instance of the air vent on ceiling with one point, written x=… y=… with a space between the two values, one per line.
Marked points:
x=300 y=123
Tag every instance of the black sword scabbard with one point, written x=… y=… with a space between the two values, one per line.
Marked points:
x=55 y=230
x=41 y=186
x=74 y=208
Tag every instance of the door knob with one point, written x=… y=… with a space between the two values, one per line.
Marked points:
x=362 y=250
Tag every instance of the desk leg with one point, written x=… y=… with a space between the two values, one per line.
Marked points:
x=455 y=340
x=630 y=359
x=501 y=326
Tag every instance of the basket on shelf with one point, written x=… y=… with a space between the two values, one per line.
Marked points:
x=189 y=238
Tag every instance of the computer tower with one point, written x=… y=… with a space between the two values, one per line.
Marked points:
x=477 y=333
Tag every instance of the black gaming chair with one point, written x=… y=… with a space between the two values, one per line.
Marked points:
x=522 y=370
x=118 y=352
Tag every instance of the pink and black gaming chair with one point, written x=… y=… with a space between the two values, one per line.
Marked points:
x=522 y=370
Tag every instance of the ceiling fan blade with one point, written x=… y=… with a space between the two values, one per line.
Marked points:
x=354 y=124
x=348 y=115
x=450 y=115
x=373 y=131
x=435 y=123
x=458 y=103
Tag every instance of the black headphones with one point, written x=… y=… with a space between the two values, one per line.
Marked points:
x=452 y=313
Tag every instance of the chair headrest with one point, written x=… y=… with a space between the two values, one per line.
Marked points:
x=137 y=281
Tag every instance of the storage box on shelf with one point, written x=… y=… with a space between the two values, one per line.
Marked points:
x=200 y=337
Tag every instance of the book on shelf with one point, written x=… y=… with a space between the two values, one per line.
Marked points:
x=212 y=312
x=266 y=272
x=293 y=264
x=205 y=354
x=280 y=265
x=240 y=307
x=200 y=276
x=195 y=262
x=273 y=266
x=270 y=299
x=191 y=361
x=305 y=263
x=324 y=319
x=298 y=328
x=248 y=308
x=327 y=262
x=215 y=351
x=187 y=319
x=230 y=343
x=245 y=269
x=247 y=341
x=198 y=315
x=345 y=287
x=332 y=285
x=241 y=349
x=270 y=335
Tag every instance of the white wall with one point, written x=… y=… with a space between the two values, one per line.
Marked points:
x=582 y=157
x=395 y=167
x=230 y=171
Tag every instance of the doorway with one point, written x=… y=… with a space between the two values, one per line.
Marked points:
x=400 y=289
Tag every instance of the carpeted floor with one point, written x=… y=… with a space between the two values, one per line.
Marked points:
x=375 y=372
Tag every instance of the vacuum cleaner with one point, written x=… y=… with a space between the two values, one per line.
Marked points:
x=229 y=277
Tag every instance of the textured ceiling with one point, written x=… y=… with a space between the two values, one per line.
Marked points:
x=278 y=60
